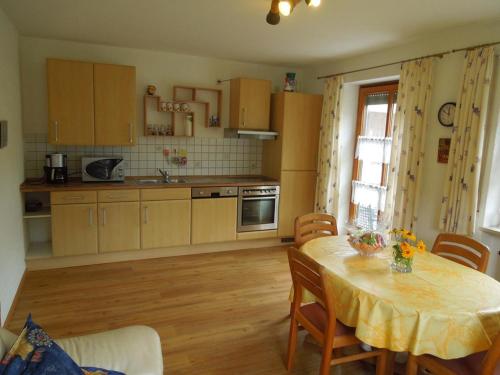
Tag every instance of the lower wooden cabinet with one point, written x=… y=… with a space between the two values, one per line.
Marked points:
x=119 y=226
x=296 y=198
x=165 y=223
x=74 y=229
x=214 y=220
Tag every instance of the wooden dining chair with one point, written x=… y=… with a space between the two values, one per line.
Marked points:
x=483 y=363
x=314 y=225
x=319 y=318
x=462 y=249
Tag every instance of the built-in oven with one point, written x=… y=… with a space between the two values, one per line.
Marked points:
x=258 y=208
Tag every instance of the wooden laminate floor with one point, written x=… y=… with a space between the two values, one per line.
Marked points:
x=222 y=313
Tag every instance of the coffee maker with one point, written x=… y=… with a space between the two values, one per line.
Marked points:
x=56 y=169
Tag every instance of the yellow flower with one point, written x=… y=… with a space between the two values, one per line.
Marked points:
x=407 y=251
x=409 y=235
x=421 y=247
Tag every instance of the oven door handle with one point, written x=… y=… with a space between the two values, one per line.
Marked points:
x=259 y=198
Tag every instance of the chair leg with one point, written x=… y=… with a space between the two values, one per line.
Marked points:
x=292 y=342
x=411 y=365
x=382 y=363
x=326 y=359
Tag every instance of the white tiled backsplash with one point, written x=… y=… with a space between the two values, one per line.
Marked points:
x=206 y=156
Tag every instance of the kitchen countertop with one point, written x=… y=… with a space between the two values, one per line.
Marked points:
x=37 y=184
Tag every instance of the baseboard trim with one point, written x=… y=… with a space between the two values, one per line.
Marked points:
x=85 y=260
x=10 y=314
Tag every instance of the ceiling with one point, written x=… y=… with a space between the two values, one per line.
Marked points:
x=236 y=29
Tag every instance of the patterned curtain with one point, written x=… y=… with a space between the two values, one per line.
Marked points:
x=327 y=193
x=460 y=194
x=407 y=154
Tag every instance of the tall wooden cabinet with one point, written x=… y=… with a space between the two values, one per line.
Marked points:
x=90 y=104
x=292 y=158
x=250 y=102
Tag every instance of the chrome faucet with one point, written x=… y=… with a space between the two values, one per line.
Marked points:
x=164 y=173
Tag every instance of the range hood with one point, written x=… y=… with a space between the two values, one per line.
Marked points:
x=254 y=134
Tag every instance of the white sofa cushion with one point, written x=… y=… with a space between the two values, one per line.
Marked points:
x=134 y=350
x=7 y=339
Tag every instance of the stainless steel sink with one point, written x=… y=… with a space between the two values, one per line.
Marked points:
x=175 y=180
x=150 y=182
x=154 y=181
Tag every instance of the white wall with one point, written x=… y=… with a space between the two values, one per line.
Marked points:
x=11 y=169
x=447 y=76
x=160 y=68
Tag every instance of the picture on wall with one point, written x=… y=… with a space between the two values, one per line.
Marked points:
x=443 y=150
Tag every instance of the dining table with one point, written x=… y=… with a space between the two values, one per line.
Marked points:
x=441 y=308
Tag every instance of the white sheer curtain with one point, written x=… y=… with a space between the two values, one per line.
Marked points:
x=374 y=149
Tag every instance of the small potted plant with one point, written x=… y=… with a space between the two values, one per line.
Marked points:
x=404 y=249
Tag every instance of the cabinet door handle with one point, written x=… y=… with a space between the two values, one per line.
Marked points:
x=104 y=217
x=91 y=217
x=146 y=214
x=74 y=197
x=56 y=130
x=243 y=116
x=130 y=137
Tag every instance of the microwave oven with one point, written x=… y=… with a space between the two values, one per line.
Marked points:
x=102 y=168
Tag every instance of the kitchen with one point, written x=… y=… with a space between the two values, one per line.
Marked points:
x=228 y=155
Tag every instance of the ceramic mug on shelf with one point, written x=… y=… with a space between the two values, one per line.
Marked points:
x=184 y=107
x=177 y=107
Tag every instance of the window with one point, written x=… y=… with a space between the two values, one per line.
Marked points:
x=376 y=112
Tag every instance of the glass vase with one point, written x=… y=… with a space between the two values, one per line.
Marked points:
x=403 y=266
x=399 y=262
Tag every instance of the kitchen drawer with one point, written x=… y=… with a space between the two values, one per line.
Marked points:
x=165 y=194
x=72 y=197
x=122 y=195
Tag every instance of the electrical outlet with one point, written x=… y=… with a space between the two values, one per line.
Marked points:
x=3 y=134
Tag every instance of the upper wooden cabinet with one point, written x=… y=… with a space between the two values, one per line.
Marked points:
x=250 y=104
x=91 y=104
x=71 y=102
x=114 y=98
x=296 y=117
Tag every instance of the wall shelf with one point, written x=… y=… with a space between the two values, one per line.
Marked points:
x=211 y=98
x=153 y=107
x=43 y=213
x=39 y=250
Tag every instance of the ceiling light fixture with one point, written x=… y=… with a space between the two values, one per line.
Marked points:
x=314 y=3
x=285 y=8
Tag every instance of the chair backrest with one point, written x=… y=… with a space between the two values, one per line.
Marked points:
x=462 y=249
x=307 y=274
x=490 y=361
x=310 y=226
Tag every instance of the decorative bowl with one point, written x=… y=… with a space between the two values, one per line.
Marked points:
x=367 y=242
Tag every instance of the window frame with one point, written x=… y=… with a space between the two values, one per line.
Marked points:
x=364 y=91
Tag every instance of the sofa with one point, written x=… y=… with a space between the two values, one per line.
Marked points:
x=134 y=350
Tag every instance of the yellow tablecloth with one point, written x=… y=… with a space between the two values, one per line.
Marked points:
x=441 y=308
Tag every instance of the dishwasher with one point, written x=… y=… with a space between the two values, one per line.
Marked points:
x=214 y=214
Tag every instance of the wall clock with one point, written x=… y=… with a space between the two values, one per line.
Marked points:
x=446 y=114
